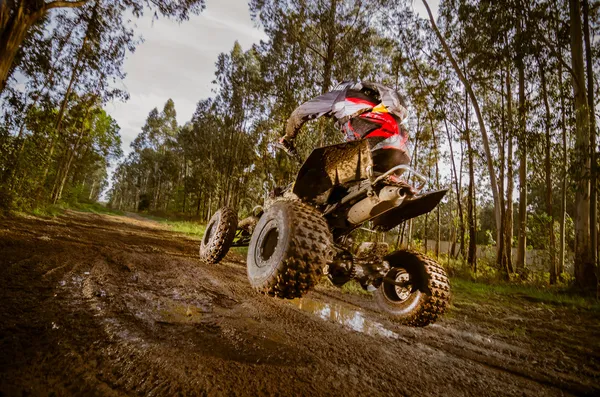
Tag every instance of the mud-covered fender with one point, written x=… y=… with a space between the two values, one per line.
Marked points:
x=333 y=165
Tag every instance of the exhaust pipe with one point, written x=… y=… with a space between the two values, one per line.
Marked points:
x=372 y=206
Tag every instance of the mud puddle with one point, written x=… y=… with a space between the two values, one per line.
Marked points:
x=347 y=317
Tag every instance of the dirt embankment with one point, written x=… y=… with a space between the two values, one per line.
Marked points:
x=105 y=305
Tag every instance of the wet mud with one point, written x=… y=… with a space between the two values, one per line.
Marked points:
x=106 y=305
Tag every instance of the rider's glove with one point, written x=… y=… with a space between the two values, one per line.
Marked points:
x=289 y=147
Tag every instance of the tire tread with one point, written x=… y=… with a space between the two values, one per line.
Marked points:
x=435 y=290
x=305 y=257
x=219 y=245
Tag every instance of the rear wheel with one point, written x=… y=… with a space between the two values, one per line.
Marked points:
x=426 y=292
x=219 y=235
x=290 y=246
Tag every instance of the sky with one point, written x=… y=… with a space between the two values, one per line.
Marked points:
x=177 y=61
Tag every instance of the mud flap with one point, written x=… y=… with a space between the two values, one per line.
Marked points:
x=333 y=165
x=410 y=208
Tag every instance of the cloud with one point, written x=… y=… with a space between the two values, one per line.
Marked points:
x=177 y=61
x=420 y=9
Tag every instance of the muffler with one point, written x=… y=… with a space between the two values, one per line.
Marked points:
x=373 y=205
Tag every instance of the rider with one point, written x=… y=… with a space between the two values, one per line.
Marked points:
x=362 y=110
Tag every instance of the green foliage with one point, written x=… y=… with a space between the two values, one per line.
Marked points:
x=56 y=142
x=95 y=208
x=353 y=287
x=54 y=210
x=555 y=296
x=486 y=272
x=190 y=228
x=51 y=211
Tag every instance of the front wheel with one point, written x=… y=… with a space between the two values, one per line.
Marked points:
x=426 y=292
x=219 y=235
x=289 y=248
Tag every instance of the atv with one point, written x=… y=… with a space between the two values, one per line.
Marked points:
x=305 y=232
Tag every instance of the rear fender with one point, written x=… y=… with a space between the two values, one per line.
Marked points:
x=410 y=208
x=333 y=165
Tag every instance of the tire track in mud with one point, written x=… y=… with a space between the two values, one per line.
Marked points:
x=121 y=307
x=496 y=355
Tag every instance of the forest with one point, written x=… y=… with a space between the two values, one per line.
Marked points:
x=147 y=246
x=503 y=98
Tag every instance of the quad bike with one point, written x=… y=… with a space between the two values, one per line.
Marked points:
x=305 y=230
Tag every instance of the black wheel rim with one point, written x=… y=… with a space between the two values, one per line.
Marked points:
x=394 y=293
x=267 y=244
x=209 y=232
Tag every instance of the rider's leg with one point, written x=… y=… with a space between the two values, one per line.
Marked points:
x=386 y=159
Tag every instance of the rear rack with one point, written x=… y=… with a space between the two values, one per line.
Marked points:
x=404 y=167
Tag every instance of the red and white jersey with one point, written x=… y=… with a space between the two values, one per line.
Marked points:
x=362 y=110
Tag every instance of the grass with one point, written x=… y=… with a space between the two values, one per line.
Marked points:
x=353 y=287
x=487 y=288
x=243 y=251
x=95 y=208
x=189 y=228
x=53 y=210
x=49 y=211
x=555 y=296
x=193 y=229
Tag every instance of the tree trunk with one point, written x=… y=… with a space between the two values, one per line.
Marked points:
x=584 y=266
x=563 y=193
x=437 y=182
x=482 y=127
x=501 y=256
x=451 y=234
x=425 y=234
x=13 y=30
x=156 y=197
x=472 y=220
x=439 y=234
x=522 y=139
x=209 y=206
x=416 y=166
x=67 y=168
x=510 y=182
x=184 y=179
x=426 y=226
x=592 y=118
x=92 y=190
x=330 y=48
x=63 y=106
x=471 y=257
x=461 y=223
x=548 y=168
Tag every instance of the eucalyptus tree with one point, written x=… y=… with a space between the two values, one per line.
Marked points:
x=323 y=41
x=62 y=51
x=19 y=17
x=584 y=266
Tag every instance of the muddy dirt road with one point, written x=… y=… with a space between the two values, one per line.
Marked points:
x=108 y=305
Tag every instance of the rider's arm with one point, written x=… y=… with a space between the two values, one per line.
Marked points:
x=315 y=108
